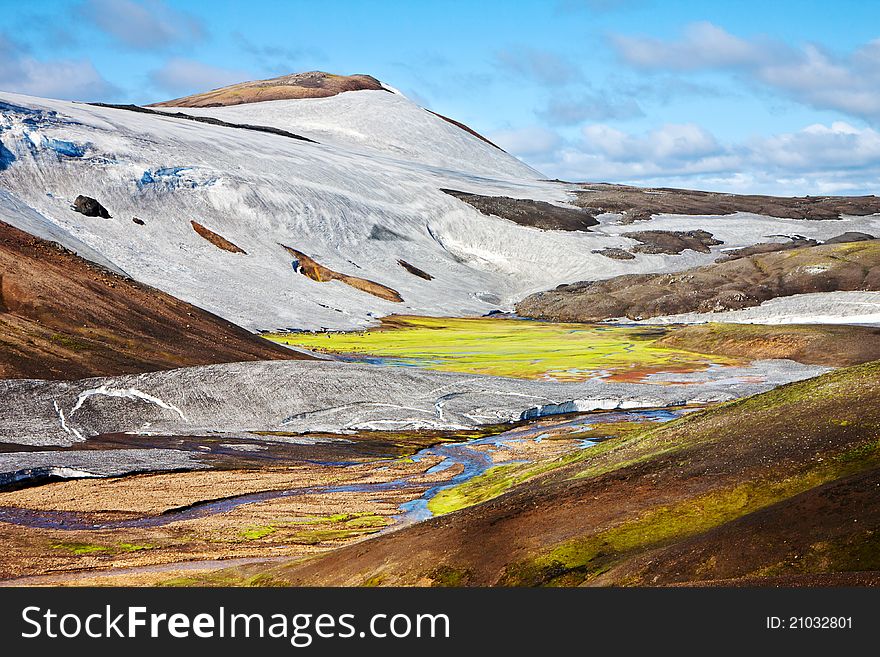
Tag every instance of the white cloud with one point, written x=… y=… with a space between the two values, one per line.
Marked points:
x=669 y=142
x=182 y=76
x=150 y=24
x=541 y=66
x=73 y=79
x=527 y=142
x=818 y=159
x=564 y=110
x=808 y=74
x=703 y=45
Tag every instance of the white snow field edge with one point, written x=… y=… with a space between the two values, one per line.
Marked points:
x=302 y=396
x=818 y=308
x=365 y=197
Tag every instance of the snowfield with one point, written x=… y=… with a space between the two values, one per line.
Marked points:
x=330 y=396
x=367 y=195
x=819 y=308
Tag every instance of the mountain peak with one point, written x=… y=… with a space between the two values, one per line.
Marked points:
x=310 y=84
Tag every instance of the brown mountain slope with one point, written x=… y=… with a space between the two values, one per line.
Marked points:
x=62 y=317
x=783 y=475
x=314 y=84
x=730 y=285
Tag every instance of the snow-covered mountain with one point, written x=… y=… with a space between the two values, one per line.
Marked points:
x=364 y=198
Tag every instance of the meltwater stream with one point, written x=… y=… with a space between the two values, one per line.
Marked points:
x=474 y=457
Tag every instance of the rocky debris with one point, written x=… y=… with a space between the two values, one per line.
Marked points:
x=526 y=212
x=672 y=242
x=766 y=247
x=311 y=84
x=731 y=285
x=139 y=222
x=415 y=271
x=850 y=236
x=639 y=204
x=217 y=240
x=310 y=268
x=90 y=207
x=615 y=253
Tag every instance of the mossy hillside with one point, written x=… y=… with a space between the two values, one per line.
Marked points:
x=577 y=561
x=512 y=348
x=499 y=479
x=831 y=423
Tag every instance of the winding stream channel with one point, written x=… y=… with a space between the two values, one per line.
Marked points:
x=474 y=457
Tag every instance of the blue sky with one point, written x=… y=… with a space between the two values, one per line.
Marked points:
x=776 y=97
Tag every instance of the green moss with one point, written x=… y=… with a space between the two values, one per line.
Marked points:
x=373 y=581
x=447 y=576
x=80 y=548
x=506 y=347
x=256 y=533
x=492 y=483
x=582 y=559
x=69 y=342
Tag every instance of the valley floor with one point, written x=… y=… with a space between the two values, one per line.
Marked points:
x=263 y=473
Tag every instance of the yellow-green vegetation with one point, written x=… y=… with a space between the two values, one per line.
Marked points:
x=77 y=548
x=499 y=479
x=509 y=347
x=576 y=561
x=342 y=526
x=256 y=533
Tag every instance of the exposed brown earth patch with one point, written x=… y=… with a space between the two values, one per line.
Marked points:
x=217 y=240
x=313 y=84
x=526 y=212
x=318 y=272
x=638 y=204
x=731 y=285
x=65 y=318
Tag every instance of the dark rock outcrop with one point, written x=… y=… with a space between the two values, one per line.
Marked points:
x=766 y=247
x=415 y=271
x=90 y=207
x=526 y=212
x=850 y=236
x=672 y=242
x=615 y=253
